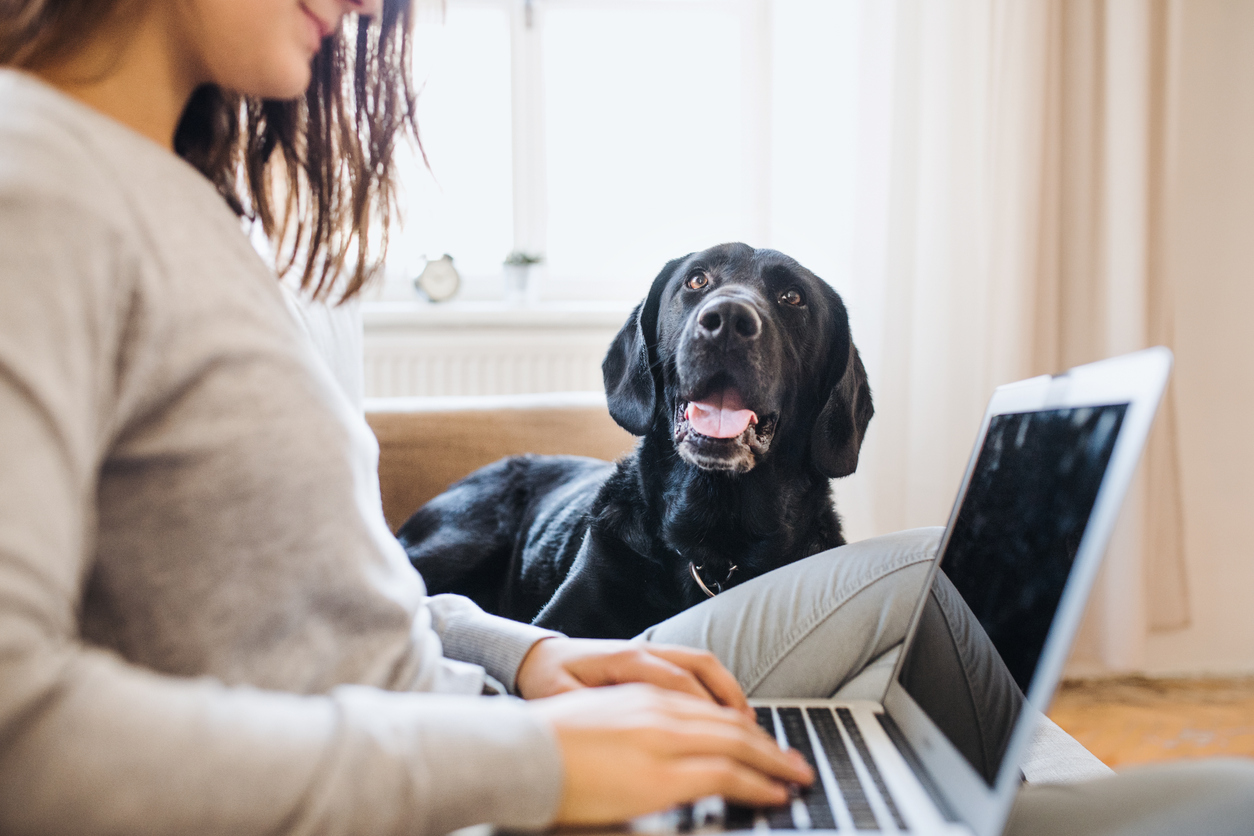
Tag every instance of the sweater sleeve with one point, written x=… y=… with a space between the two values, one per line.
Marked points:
x=471 y=635
x=90 y=743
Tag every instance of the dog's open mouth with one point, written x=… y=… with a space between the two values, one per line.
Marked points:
x=721 y=416
x=719 y=432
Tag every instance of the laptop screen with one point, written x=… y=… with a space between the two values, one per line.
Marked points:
x=987 y=616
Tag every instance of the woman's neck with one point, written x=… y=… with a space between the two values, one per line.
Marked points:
x=136 y=77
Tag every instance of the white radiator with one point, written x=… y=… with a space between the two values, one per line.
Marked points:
x=484 y=352
x=397 y=371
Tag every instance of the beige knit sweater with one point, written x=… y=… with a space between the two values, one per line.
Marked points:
x=205 y=625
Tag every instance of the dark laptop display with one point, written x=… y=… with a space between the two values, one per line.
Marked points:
x=1006 y=563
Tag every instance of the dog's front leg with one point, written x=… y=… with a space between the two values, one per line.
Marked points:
x=605 y=595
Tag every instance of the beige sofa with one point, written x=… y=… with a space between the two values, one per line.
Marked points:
x=427 y=444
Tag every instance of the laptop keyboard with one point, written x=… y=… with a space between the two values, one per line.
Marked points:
x=818 y=808
x=812 y=809
x=855 y=734
x=843 y=769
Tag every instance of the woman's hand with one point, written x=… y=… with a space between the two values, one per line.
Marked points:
x=557 y=665
x=635 y=749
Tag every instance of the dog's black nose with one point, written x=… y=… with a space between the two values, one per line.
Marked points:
x=728 y=319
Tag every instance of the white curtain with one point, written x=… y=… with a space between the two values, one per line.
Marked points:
x=430 y=11
x=1011 y=161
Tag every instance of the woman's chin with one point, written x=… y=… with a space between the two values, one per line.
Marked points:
x=280 y=83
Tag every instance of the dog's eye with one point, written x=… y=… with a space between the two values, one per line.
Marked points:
x=792 y=296
x=697 y=281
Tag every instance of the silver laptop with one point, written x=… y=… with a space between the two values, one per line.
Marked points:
x=992 y=629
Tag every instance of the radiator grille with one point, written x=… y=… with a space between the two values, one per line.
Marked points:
x=424 y=369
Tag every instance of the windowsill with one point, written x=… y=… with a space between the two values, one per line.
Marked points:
x=379 y=315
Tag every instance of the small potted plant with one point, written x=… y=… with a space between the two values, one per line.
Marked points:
x=518 y=266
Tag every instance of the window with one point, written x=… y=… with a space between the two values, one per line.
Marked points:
x=612 y=135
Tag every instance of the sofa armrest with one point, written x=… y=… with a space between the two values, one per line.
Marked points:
x=427 y=444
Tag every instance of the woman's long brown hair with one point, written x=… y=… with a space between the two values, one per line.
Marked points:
x=316 y=172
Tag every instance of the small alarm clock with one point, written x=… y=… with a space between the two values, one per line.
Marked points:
x=439 y=280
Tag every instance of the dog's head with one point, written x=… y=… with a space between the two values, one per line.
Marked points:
x=737 y=351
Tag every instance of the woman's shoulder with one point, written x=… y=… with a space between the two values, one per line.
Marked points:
x=48 y=150
x=57 y=152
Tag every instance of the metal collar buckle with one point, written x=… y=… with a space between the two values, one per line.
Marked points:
x=695 y=571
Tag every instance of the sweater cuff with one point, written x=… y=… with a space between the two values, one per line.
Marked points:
x=471 y=635
x=465 y=760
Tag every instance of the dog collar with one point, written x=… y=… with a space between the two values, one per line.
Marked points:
x=695 y=571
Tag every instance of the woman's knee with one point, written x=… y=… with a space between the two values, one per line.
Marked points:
x=807 y=628
x=839 y=572
x=888 y=550
x=858 y=565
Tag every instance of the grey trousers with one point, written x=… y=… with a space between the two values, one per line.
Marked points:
x=832 y=625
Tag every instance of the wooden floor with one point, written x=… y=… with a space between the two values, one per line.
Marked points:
x=1134 y=720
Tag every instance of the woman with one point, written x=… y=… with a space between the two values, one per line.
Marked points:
x=205 y=625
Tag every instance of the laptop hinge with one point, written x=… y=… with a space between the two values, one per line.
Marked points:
x=907 y=752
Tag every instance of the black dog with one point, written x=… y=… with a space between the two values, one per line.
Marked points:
x=739 y=372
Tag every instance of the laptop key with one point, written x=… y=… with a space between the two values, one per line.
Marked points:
x=842 y=768
x=814 y=796
x=684 y=822
x=738 y=817
x=855 y=734
x=780 y=818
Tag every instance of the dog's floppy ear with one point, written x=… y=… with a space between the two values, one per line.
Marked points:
x=837 y=435
x=631 y=385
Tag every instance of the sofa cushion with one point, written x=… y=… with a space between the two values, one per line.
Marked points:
x=427 y=444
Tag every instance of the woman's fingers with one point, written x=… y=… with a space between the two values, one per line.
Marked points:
x=634 y=749
x=682 y=669
x=562 y=682
x=644 y=665
x=681 y=708
x=704 y=738
x=635 y=663
x=682 y=727
x=712 y=775
x=708 y=670
x=555 y=665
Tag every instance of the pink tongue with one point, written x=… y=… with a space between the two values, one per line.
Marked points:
x=720 y=417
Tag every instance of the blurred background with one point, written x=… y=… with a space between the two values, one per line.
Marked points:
x=997 y=189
